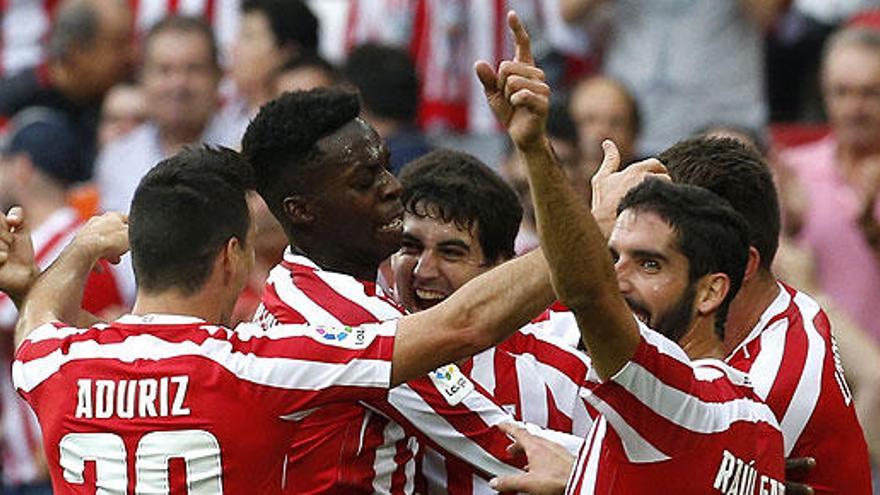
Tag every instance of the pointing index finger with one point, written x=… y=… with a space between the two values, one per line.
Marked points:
x=523 y=51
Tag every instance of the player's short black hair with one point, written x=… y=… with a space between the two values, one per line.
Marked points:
x=737 y=173
x=459 y=188
x=183 y=212
x=291 y=21
x=280 y=141
x=711 y=234
x=386 y=78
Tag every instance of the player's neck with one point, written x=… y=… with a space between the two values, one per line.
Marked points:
x=199 y=305
x=755 y=296
x=701 y=341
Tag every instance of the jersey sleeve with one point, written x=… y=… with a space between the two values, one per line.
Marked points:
x=661 y=405
x=307 y=366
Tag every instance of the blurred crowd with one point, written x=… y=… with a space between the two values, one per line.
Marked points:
x=95 y=92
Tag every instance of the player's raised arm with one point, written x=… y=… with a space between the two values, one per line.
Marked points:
x=57 y=293
x=477 y=316
x=581 y=268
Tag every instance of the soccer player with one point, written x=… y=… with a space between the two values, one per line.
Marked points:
x=156 y=401
x=777 y=334
x=322 y=171
x=460 y=220
x=673 y=416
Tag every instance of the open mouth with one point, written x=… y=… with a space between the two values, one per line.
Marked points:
x=425 y=298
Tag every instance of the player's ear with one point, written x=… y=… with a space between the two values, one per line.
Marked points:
x=298 y=210
x=711 y=291
x=753 y=263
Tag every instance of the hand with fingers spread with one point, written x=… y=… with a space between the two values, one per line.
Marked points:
x=549 y=465
x=18 y=270
x=104 y=237
x=516 y=92
x=610 y=184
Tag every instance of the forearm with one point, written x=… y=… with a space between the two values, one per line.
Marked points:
x=580 y=266
x=57 y=293
x=480 y=314
x=503 y=299
x=575 y=10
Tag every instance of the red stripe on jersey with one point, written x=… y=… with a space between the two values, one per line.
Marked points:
x=210 y=10
x=556 y=419
x=794 y=358
x=173 y=5
x=506 y=381
x=344 y=310
x=277 y=308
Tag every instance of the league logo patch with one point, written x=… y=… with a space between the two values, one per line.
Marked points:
x=452 y=383
x=344 y=336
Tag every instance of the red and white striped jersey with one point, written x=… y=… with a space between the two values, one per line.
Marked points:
x=172 y=404
x=20 y=432
x=372 y=448
x=25 y=25
x=535 y=376
x=794 y=364
x=668 y=424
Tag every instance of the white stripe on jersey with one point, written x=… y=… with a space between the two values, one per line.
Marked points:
x=384 y=464
x=806 y=395
x=534 y=396
x=682 y=408
x=483 y=370
x=766 y=366
x=414 y=408
x=293 y=374
x=293 y=297
x=637 y=448
x=341 y=283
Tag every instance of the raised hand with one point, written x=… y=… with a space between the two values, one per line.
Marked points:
x=18 y=270
x=104 y=236
x=516 y=92
x=548 y=468
x=610 y=184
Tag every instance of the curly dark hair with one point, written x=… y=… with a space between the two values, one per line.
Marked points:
x=280 y=140
x=737 y=173
x=460 y=188
x=711 y=234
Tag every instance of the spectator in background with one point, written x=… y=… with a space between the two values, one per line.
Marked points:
x=89 y=51
x=40 y=161
x=602 y=108
x=305 y=73
x=836 y=171
x=271 y=33
x=180 y=78
x=688 y=63
x=124 y=109
x=389 y=90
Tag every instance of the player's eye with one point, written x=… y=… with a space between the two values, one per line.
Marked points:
x=650 y=265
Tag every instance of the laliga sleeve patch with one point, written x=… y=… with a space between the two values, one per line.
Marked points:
x=347 y=337
x=452 y=383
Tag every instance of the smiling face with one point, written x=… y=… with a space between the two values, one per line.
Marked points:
x=353 y=198
x=435 y=259
x=652 y=272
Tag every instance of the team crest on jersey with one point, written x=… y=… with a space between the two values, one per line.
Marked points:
x=344 y=336
x=452 y=383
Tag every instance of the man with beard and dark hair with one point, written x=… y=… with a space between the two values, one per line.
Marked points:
x=672 y=416
x=779 y=335
x=323 y=172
